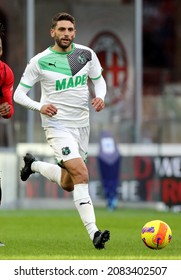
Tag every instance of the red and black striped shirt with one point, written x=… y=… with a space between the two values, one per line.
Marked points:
x=6 y=87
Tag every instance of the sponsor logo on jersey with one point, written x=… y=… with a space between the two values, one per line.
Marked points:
x=52 y=64
x=71 y=82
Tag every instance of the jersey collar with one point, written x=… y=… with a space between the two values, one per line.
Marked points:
x=73 y=47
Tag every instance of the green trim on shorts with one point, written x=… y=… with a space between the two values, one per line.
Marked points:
x=60 y=163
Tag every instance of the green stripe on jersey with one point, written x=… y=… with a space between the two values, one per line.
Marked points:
x=24 y=85
x=97 y=77
x=55 y=62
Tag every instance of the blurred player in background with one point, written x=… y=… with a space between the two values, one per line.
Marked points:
x=63 y=70
x=6 y=87
x=6 y=92
x=1 y=244
x=6 y=84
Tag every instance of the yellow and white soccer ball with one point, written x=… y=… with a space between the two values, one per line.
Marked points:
x=156 y=234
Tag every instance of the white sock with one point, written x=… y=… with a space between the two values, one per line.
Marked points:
x=51 y=171
x=85 y=208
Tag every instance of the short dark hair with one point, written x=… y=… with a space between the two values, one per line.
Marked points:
x=62 y=16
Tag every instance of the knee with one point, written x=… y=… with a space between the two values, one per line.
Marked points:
x=81 y=176
x=82 y=173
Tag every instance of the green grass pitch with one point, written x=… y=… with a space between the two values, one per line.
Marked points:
x=60 y=235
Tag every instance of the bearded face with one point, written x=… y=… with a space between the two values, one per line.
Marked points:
x=63 y=35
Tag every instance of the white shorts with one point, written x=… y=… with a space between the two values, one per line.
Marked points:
x=68 y=143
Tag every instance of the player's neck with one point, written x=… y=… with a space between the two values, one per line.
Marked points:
x=58 y=49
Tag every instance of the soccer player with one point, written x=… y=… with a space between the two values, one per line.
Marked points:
x=63 y=70
x=6 y=92
x=6 y=85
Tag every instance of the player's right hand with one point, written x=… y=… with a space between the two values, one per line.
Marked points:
x=49 y=110
x=4 y=109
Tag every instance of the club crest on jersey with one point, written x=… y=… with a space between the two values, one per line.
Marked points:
x=81 y=59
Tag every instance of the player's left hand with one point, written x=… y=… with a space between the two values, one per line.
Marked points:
x=49 y=110
x=4 y=109
x=98 y=104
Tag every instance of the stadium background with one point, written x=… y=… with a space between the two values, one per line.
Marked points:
x=148 y=132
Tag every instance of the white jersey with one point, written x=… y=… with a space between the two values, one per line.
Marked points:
x=63 y=79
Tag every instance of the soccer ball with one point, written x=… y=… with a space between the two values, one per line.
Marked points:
x=156 y=234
